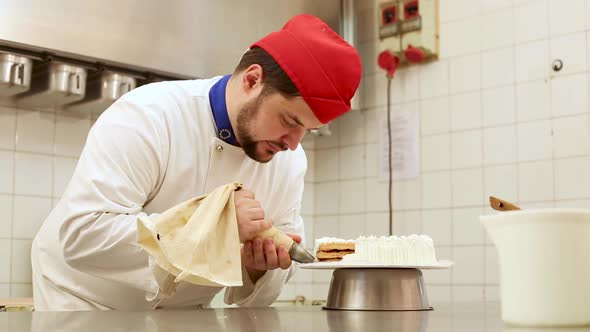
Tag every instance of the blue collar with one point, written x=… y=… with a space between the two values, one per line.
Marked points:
x=219 y=108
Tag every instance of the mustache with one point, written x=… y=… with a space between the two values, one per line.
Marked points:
x=281 y=145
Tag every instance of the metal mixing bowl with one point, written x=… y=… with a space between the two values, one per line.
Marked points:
x=377 y=289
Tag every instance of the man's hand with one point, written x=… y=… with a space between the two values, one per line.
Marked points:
x=261 y=255
x=250 y=215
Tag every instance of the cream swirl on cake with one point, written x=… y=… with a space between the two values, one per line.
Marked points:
x=413 y=250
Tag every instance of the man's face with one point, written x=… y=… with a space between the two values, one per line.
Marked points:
x=271 y=123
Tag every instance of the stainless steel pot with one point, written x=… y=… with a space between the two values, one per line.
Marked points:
x=102 y=90
x=54 y=84
x=377 y=289
x=15 y=74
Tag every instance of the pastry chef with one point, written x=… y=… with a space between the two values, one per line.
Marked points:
x=167 y=142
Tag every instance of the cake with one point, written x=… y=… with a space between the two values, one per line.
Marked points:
x=333 y=249
x=413 y=250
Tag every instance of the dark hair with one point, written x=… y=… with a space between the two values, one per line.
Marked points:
x=274 y=77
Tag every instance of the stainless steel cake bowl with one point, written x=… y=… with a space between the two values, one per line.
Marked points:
x=377 y=289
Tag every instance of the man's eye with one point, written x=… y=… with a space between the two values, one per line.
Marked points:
x=288 y=123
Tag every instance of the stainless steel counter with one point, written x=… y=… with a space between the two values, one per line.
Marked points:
x=464 y=317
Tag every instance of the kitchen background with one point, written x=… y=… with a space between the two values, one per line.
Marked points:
x=495 y=119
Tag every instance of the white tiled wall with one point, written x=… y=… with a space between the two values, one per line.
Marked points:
x=38 y=153
x=495 y=120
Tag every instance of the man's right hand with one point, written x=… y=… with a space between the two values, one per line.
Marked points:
x=250 y=215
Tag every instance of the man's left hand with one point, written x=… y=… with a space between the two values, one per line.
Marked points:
x=261 y=255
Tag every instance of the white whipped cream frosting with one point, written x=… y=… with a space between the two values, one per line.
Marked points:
x=415 y=250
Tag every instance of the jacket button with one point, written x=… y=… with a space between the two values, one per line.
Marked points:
x=219 y=148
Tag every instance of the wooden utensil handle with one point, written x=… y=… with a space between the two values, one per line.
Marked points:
x=502 y=205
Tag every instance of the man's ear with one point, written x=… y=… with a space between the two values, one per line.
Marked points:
x=252 y=78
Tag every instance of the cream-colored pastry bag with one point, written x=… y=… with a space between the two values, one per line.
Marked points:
x=197 y=241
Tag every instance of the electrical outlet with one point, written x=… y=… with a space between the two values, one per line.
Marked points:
x=409 y=29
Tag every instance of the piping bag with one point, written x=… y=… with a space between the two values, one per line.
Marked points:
x=297 y=252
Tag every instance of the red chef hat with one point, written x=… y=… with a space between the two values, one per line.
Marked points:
x=324 y=67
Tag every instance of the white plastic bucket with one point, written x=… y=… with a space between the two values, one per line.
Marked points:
x=544 y=258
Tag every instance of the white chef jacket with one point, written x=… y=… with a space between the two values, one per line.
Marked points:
x=152 y=149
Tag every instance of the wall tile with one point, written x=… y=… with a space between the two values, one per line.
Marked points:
x=29 y=214
x=5 y=259
x=501 y=181
x=310 y=174
x=404 y=88
x=465 y=73
x=352 y=130
x=70 y=134
x=499 y=145
x=466 y=111
x=498 y=29
x=437 y=224
x=498 y=106
x=332 y=141
x=453 y=10
x=371 y=162
x=535 y=181
x=571 y=50
x=7 y=128
x=352 y=162
x=492 y=266
x=434 y=115
x=532 y=61
x=569 y=95
x=327 y=162
x=326 y=198
x=467 y=187
x=469 y=265
x=376 y=195
x=308 y=222
x=326 y=227
x=570 y=134
x=308 y=199
x=530 y=21
x=407 y=222
x=497 y=67
x=438 y=277
x=21 y=261
x=436 y=190
x=440 y=295
x=492 y=5
x=535 y=140
x=378 y=224
x=4 y=290
x=372 y=119
x=33 y=174
x=460 y=37
x=532 y=100
x=374 y=91
x=436 y=152
x=564 y=19
x=35 y=131
x=6 y=172
x=352 y=226
x=434 y=79
x=63 y=169
x=572 y=178
x=467 y=229
x=406 y=194
x=352 y=196
x=466 y=149
x=21 y=290
x=5 y=216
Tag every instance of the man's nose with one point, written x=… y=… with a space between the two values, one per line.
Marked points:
x=293 y=139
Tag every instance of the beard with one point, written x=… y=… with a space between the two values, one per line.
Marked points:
x=249 y=144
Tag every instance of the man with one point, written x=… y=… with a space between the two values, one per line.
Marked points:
x=164 y=143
